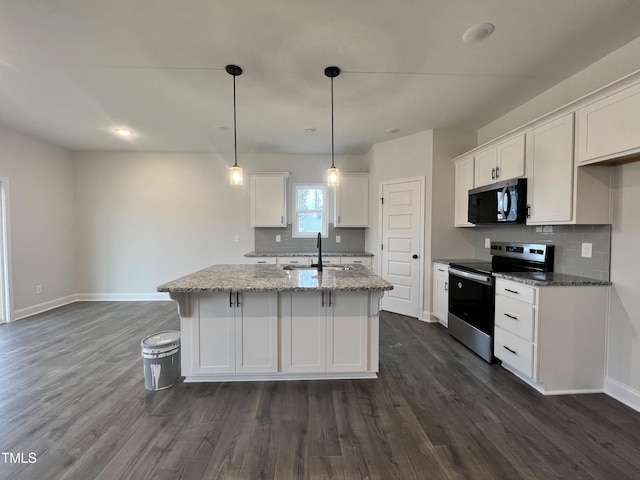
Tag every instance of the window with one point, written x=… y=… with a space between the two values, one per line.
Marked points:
x=310 y=215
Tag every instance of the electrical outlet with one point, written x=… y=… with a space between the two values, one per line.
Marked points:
x=278 y=238
x=586 y=250
x=237 y=238
x=337 y=238
x=38 y=288
x=487 y=243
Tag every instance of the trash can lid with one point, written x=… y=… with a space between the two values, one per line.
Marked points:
x=160 y=338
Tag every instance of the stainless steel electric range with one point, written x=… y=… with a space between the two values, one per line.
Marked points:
x=472 y=290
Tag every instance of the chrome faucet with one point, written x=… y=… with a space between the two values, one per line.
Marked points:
x=319 y=247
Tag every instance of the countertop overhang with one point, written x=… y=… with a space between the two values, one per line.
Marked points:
x=308 y=254
x=273 y=278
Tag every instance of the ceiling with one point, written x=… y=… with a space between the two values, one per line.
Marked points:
x=72 y=71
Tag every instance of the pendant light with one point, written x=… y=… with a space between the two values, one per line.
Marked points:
x=235 y=173
x=333 y=174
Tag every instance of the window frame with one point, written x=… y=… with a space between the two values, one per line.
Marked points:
x=295 y=233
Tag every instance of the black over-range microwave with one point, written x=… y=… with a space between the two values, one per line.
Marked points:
x=500 y=202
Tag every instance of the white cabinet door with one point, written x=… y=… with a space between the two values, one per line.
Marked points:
x=441 y=292
x=213 y=349
x=256 y=323
x=608 y=128
x=510 y=158
x=304 y=332
x=235 y=333
x=269 y=200
x=347 y=322
x=352 y=201
x=485 y=166
x=464 y=171
x=549 y=162
x=501 y=161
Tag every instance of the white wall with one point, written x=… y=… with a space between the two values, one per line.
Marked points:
x=614 y=66
x=41 y=220
x=147 y=218
x=624 y=328
x=425 y=154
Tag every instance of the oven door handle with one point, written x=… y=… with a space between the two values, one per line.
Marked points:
x=478 y=277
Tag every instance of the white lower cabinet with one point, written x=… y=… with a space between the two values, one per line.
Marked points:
x=441 y=292
x=324 y=332
x=230 y=332
x=553 y=337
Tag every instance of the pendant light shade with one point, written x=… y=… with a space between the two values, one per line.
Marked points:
x=333 y=174
x=235 y=173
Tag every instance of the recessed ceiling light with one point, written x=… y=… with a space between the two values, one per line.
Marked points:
x=123 y=132
x=392 y=130
x=310 y=129
x=478 y=33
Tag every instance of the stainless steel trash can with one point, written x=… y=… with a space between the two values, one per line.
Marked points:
x=161 y=359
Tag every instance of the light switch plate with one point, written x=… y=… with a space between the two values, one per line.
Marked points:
x=586 y=250
x=487 y=243
x=278 y=238
x=337 y=238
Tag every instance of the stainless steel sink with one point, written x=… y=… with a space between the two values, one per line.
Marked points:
x=309 y=267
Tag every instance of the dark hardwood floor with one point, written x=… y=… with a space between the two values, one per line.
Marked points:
x=72 y=393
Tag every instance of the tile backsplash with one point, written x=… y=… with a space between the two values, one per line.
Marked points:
x=351 y=240
x=568 y=241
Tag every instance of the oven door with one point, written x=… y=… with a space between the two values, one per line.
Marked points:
x=471 y=299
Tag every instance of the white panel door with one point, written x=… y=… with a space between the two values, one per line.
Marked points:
x=401 y=227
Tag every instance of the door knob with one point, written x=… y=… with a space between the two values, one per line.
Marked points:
x=415 y=256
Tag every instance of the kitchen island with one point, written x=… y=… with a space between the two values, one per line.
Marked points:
x=269 y=322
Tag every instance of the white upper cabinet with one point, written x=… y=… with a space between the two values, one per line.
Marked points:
x=501 y=161
x=609 y=128
x=550 y=172
x=269 y=199
x=558 y=191
x=352 y=201
x=464 y=171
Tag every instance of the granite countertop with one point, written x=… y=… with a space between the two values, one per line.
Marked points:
x=550 y=279
x=308 y=254
x=269 y=278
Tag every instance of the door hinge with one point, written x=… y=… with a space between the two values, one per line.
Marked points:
x=382 y=246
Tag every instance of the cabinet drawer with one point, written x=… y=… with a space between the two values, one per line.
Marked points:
x=294 y=260
x=513 y=351
x=366 y=261
x=521 y=292
x=515 y=317
x=261 y=260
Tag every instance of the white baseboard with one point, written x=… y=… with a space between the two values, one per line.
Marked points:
x=87 y=297
x=43 y=307
x=428 y=317
x=122 y=297
x=623 y=393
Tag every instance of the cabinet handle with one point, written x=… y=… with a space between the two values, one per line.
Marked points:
x=512 y=351
x=441 y=270
x=338 y=218
x=497 y=172
x=282 y=219
x=493 y=174
x=510 y=316
x=446 y=286
x=330 y=299
x=231 y=299
x=511 y=291
x=261 y=261
x=322 y=299
x=237 y=299
x=528 y=210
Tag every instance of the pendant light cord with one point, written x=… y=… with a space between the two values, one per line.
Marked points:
x=235 y=129
x=332 y=143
